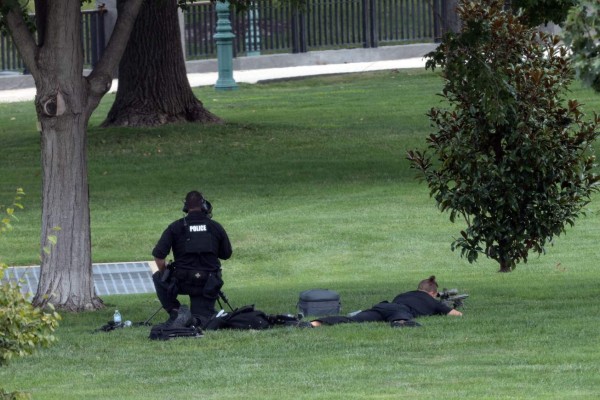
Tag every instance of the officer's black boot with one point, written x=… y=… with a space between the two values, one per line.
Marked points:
x=184 y=317
x=179 y=318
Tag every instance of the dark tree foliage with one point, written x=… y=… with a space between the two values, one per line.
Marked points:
x=539 y=12
x=510 y=155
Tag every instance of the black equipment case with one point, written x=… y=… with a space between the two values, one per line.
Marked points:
x=319 y=302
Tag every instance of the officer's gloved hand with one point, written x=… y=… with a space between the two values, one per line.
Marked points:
x=166 y=274
x=161 y=276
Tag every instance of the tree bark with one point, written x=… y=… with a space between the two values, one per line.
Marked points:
x=507 y=264
x=64 y=101
x=153 y=86
x=505 y=267
x=66 y=275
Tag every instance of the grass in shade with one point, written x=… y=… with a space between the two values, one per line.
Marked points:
x=309 y=178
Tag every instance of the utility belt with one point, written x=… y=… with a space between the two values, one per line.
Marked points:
x=195 y=282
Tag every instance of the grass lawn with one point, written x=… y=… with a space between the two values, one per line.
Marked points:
x=310 y=180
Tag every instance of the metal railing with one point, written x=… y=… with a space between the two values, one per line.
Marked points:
x=274 y=26
x=93 y=43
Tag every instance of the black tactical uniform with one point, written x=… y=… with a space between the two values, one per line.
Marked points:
x=405 y=307
x=197 y=243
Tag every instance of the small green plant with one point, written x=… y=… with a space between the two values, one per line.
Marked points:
x=14 y=395
x=23 y=328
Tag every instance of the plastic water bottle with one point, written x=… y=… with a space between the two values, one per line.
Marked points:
x=117 y=317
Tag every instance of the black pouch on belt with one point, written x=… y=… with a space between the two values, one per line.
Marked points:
x=191 y=282
x=213 y=286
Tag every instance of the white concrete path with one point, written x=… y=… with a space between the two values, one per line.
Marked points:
x=257 y=75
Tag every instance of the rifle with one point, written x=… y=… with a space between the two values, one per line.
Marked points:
x=224 y=298
x=452 y=298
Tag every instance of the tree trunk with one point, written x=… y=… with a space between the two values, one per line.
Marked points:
x=64 y=105
x=153 y=86
x=505 y=267
x=66 y=278
x=506 y=263
x=64 y=102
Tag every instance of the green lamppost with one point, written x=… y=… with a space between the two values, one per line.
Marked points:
x=224 y=38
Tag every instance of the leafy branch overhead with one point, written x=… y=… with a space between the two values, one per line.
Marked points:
x=581 y=34
x=510 y=155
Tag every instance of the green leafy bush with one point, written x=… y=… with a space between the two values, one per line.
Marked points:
x=23 y=327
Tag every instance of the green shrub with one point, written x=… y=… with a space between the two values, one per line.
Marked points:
x=511 y=155
x=23 y=328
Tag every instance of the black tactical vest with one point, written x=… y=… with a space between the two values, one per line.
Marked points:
x=198 y=238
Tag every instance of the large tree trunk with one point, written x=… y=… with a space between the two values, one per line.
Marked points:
x=63 y=107
x=153 y=86
x=66 y=274
x=64 y=101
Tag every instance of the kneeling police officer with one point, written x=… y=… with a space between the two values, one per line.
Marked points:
x=198 y=243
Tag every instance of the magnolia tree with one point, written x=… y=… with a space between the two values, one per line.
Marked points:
x=510 y=156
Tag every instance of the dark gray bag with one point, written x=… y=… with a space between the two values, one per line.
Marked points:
x=319 y=302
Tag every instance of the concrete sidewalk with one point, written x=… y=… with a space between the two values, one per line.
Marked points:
x=15 y=87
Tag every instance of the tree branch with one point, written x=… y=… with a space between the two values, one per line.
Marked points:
x=101 y=77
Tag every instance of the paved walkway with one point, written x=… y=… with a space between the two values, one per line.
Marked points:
x=256 y=75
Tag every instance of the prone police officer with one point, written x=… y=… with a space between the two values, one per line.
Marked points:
x=198 y=244
x=401 y=311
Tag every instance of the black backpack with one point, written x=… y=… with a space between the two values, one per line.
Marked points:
x=248 y=317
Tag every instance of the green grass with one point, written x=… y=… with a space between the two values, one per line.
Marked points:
x=309 y=178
